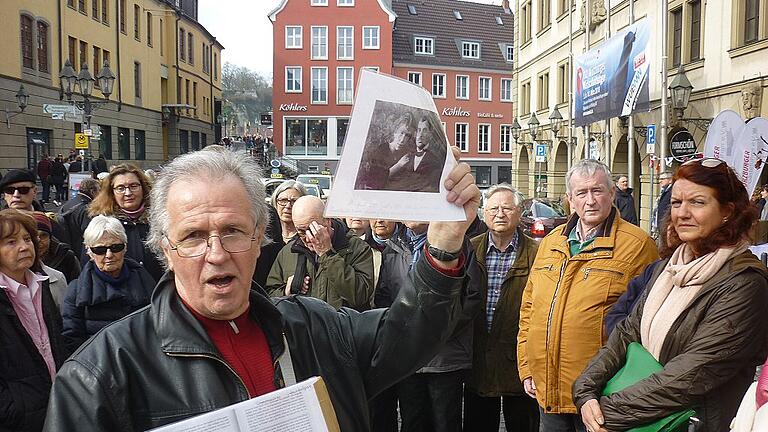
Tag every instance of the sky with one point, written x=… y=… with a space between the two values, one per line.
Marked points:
x=245 y=31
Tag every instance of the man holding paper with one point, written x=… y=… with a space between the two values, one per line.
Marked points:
x=211 y=338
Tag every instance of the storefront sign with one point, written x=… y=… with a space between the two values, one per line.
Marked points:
x=455 y=112
x=490 y=115
x=682 y=145
x=292 y=107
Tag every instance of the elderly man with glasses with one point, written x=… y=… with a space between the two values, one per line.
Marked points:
x=19 y=190
x=211 y=338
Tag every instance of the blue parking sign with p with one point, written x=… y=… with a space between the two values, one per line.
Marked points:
x=541 y=150
x=651 y=134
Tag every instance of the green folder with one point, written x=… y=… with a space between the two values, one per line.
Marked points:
x=640 y=364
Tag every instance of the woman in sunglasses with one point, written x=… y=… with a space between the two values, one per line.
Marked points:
x=30 y=336
x=701 y=315
x=110 y=285
x=125 y=196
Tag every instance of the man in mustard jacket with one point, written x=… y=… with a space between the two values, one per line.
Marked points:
x=580 y=270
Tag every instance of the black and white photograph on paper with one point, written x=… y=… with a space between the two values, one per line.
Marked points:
x=404 y=150
x=395 y=159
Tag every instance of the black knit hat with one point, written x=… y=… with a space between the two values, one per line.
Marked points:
x=17 y=175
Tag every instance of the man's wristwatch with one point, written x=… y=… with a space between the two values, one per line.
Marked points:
x=442 y=255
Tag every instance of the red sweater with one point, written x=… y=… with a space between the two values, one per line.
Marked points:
x=244 y=347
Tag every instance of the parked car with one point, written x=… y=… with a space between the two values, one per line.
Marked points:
x=270 y=185
x=540 y=216
x=315 y=190
x=324 y=181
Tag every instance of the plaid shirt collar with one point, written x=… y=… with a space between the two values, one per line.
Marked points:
x=512 y=244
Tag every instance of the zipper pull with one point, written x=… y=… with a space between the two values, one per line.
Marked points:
x=234 y=327
x=586 y=272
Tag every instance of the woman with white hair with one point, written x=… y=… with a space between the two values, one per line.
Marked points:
x=110 y=285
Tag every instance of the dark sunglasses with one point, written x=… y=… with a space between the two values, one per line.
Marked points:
x=102 y=250
x=10 y=190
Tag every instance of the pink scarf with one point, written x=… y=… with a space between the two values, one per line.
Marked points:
x=674 y=290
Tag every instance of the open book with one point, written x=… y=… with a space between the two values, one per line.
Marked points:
x=303 y=407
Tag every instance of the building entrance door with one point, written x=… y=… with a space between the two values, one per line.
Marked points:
x=38 y=142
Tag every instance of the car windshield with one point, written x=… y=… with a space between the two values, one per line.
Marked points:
x=323 y=182
x=312 y=190
x=548 y=210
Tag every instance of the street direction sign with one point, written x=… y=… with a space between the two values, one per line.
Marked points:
x=541 y=152
x=88 y=132
x=69 y=113
x=81 y=141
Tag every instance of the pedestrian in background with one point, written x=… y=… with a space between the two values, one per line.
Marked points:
x=44 y=173
x=54 y=253
x=624 y=200
x=59 y=179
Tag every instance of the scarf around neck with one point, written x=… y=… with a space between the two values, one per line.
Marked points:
x=675 y=288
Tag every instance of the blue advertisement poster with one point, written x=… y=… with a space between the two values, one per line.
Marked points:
x=611 y=80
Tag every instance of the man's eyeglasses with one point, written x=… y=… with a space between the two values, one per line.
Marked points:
x=197 y=246
x=282 y=202
x=102 y=250
x=706 y=162
x=495 y=210
x=133 y=187
x=10 y=190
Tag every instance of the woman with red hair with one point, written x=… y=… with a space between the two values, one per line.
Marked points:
x=701 y=316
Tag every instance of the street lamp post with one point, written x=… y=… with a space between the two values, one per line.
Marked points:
x=22 y=99
x=533 y=129
x=681 y=89
x=85 y=81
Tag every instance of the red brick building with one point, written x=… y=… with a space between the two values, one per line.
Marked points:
x=319 y=48
x=460 y=51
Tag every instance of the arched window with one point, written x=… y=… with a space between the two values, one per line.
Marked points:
x=26 y=42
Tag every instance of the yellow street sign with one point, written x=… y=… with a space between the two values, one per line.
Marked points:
x=276 y=176
x=81 y=141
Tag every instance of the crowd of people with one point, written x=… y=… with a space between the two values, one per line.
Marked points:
x=150 y=299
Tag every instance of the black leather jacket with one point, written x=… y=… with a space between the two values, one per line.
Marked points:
x=158 y=365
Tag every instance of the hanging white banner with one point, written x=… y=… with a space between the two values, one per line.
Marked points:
x=721 y=137
x=751 y=152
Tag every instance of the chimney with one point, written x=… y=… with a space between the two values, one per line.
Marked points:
x=505 y=5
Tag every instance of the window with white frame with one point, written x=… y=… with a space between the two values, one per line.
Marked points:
x=414 y=77
x=510 y=54
x=320 y=43
x=505 y=132
x=319 y=3
x=423 y=45
x=345 y=2
x=345 y=43
x=506 y=90
x=319 y=85
x=461 y=133
x=438 y=85
x=344 y=85
x=462 y=87
x=483 y=138
x=484 y=90
x=371 y=68
x=293 y=79
x=371 y=37
x=293 y=38
x=470 y=49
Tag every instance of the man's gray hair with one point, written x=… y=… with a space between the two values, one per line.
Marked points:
x=101 y=225
x=214 y=164
x=588 y=167
x=284 y=186
x=504 y=187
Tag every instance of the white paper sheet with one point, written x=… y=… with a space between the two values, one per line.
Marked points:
x=396 y=156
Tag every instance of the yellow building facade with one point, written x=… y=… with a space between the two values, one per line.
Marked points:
x=167 y=91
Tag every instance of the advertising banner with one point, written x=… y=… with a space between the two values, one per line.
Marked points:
x=611 y=80
x=721 y=137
